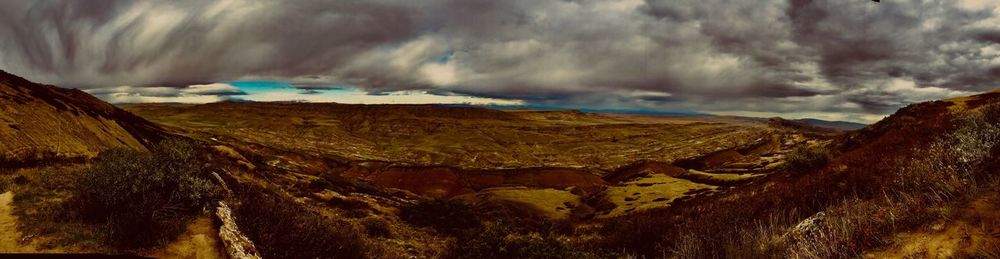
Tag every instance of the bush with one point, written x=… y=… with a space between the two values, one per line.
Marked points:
x=141 y=199
x=280 y=228
x=377 y=228
x=805 y=158
x=443 y=215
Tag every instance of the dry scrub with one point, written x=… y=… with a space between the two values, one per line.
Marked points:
x=910 y=172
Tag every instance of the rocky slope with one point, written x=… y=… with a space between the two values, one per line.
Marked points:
x=42 y=123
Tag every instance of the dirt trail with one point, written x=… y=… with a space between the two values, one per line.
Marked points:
x=199 y=241
x=975 y=233
x=10 y=238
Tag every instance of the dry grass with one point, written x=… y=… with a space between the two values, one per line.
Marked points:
x=718 y=179
x=281 y=228
x=654 y=191
x=43 y=215
x=455 y=136
x=893 y=177
x=550 y=203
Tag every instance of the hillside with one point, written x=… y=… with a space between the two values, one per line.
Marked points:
x=919 y=184
x=41 y=122
x=841 y=125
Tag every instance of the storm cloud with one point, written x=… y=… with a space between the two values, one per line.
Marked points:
x=853 y=60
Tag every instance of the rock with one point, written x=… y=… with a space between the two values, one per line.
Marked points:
x=237 y=245
x=808 y=228
x=222 y=184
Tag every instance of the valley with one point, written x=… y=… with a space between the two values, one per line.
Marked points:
x=426 y=181
x=602 y=165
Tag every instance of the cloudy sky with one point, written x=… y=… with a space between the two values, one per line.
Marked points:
x=852 y=60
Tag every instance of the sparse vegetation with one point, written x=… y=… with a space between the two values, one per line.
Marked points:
x=142 y=199
x=34 y=157
x=443 y=215
x=39 y=202
x=376 y=227
x=502 y=240
x=905 y=176
x=281 y=228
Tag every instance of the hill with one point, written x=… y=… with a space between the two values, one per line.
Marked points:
x=841 y=125
x=918 y=184
x=42 y=122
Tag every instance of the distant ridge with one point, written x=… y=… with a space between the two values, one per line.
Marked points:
x=841 y=125
x=591 y=110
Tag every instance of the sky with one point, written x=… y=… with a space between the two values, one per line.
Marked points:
x=851 y=60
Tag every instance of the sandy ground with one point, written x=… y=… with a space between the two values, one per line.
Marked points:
x=201 y=241
x=10 y=238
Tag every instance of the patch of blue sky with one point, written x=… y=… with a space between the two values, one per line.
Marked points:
x=263 y=86
x=254 y=87
x=443 y=58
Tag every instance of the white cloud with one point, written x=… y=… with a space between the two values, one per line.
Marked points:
x=211 y=89
x=208 y=93
x=360 y=97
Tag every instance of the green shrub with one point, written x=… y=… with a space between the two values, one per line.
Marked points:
x=281 y=228
x=805 y=158
x=443 y=215
x=141 y=199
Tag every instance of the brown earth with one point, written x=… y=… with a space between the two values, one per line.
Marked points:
x=201 y=241
x=10 y=237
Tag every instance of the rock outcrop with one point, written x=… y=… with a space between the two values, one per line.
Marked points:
x=237 y=245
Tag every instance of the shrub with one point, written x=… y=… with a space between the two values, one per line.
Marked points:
x=141 y=199
x=805 y=158
x=280 y=228
x=443 y=215
x=377 y=227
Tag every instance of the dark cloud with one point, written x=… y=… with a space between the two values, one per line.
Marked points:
x=824 y=56
x=310 y=92
x=989 y=36
x=318 y=86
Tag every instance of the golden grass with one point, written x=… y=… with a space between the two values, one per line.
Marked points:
x=654 y=191
x=722 y=177
x=551 y=203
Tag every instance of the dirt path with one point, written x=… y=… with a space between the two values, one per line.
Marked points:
x=201 y=241
x=974 y=233
x=10 y=238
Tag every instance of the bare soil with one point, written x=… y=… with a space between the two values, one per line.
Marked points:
x=10 y=237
